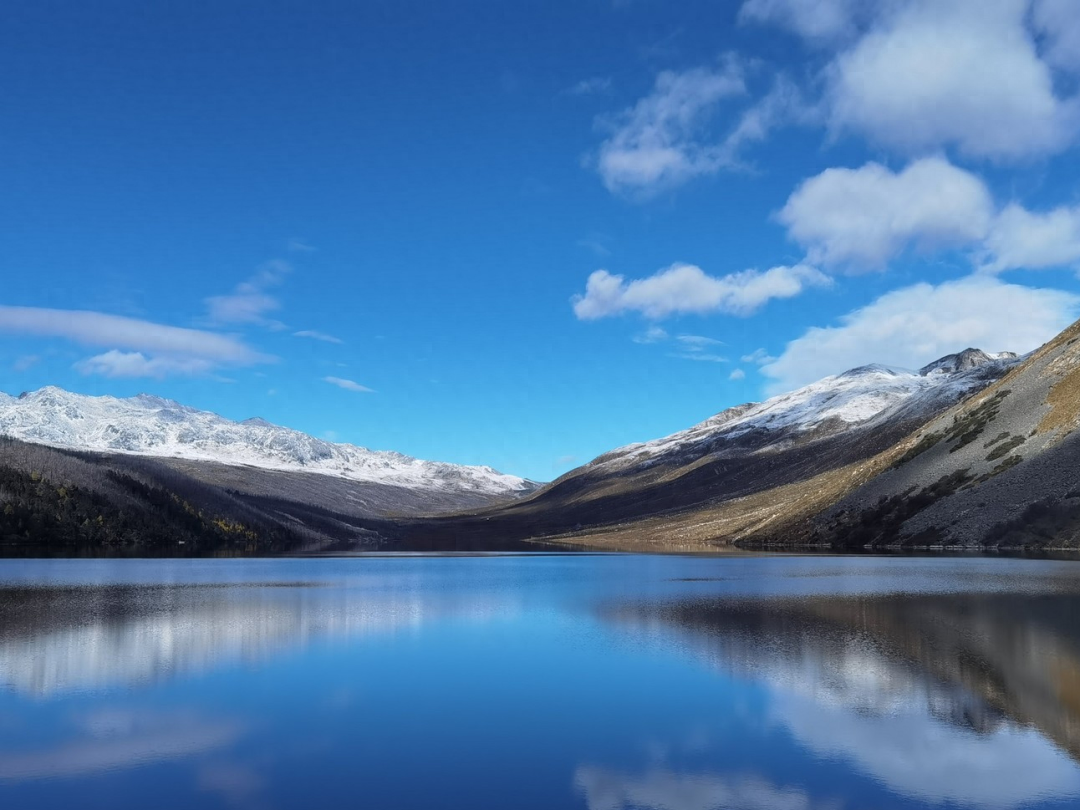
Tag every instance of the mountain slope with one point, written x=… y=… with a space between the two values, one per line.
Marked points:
x=151 y=426
x=998 y=470
x=719 y=481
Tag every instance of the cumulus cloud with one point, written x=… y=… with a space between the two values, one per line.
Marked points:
x=966 y=73
x=1059 y=23
x=348 y=385
x=116 y=363
x=662 y=140
x=1023 y=239
x=737 y=374
x=914 y=325
x=861 y=218
x=687 y=289
x=250 y=302
x=313 y=335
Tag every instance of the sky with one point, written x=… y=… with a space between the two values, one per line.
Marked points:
x=522 y=234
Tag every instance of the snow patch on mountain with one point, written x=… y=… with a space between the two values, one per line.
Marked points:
x=853 y=398
x=151 y=426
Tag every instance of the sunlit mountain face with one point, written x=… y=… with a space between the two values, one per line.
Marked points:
x=576 y=681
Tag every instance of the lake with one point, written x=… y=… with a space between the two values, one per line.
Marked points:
x=603 y=682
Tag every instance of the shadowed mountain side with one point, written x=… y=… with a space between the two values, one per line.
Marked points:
x=67 y=502
x=998 y=470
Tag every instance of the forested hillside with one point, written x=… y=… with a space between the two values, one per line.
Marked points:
x=62 y=502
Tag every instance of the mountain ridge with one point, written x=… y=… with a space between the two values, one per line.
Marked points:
x=148 y=425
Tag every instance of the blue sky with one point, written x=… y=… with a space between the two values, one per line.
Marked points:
x=535 y=231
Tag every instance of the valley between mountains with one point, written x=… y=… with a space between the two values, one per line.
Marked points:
x=972 y=451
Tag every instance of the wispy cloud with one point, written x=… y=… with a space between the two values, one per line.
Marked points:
x=26 y=362
x=116 y=331
x=250 y=302
x=660 y=142
x=654 y=334
x=313 y=335
x=697 y=343
x=737 y=374
x=590 y=87
x=348 y=385
x=297 y=245
x=701 y=357
x=116 y=363
x=758 y=357
x=136 y=348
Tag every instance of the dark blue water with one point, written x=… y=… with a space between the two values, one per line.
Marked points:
x=599 y=682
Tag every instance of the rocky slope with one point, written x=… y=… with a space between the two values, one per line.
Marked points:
x=999 y=469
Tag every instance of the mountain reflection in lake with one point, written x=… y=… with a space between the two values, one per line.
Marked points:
x=547 y=681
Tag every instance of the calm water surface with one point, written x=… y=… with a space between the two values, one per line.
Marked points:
x=598 y=682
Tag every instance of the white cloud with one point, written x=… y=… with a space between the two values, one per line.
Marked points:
x=759 y=357
x=820 y=21
x=737 y=374
x=685 y=288
x=115 y=331
x=663 y=789
x=1022 y=239
x=116 y=363
x=654 y=334
x=250 y=302
x=27 y=361
x=348 y=385
x=662 y=140
x=1059 y=22
x=782 y=105
x=313 y=335
x=697 y=343
x=589 y=87
x=914 y=325
x=701 y=357
x=935 y=73
x=297 y=245
x=861 y=218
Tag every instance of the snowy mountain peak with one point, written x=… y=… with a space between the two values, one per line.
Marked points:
x=872 y=369
x=830 y=405
x=965 y=360
x=153 y=426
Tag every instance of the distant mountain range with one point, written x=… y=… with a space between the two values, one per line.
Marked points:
x=151 y=426
x=81 y=474
x=972 y=450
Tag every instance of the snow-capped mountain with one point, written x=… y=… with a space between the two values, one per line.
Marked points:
x=861 y=396
x=152 y=426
